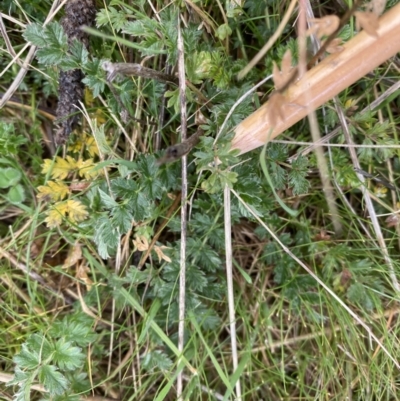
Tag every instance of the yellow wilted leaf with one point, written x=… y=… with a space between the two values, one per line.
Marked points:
x=56 y=214
x=73 y=209
x=60 y=168
x=91 y=147
x=87 y=142
x=100 y=116
x=88 y=94
x=85 y=168
x=380 y=191
x=76 y=211
x=55 y=190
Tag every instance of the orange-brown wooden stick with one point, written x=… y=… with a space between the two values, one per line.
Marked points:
x=335 y=73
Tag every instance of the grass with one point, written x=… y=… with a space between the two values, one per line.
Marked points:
x=91 y=235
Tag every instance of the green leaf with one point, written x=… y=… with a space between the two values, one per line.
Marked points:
x=55 y=35
x=357 y=293
x=117 y=18
x=9 y=177
x=50 y=56
x=297 y=176
x=173 y=101
x=77 y=56
x=107 y=200
x=74 y=328
x=156 y=359
x=9 y=140
x=149 y=182
x=56 y=45
x=122 y=219
x=66 y=356
x=106 y=237
x=204 y=255
x=223 y=31
x=54 y=382
x=27 y=359
x=16 y=194
x=137 y=203
x=218 y=179
x=95 y=76
x=40 y=344
x=140 y=206
x=35 y=34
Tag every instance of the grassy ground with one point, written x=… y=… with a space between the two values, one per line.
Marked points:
x=91 y=236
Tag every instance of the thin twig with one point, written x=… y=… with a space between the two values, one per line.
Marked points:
x=3 y=31
x=229 y=280
x=182 y=275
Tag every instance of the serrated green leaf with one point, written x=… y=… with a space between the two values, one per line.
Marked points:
x=66 y=356
x=149 y=183
x=27 y=358
x=77 y=56
x=218 y=179
x=79 y=331
x=106 y=237
x=117 y=18
x=55 y=35
x=122 y=219
x=107 y=200
x=95 y=77
x=50 y=55
x=9 y=140
x=35 y=34
x=54 y=382
x=156 y=359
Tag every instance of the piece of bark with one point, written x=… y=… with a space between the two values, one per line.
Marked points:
x=70 y=87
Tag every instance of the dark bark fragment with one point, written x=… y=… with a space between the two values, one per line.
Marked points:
x=77 y=14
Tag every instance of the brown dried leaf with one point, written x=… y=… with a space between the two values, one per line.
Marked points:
x=392 y=221
x=161 y=255
x=283 y=76
x=81 y=274
x=323 y=26
x=377 y=6
x=74 y=254
x=335 y=46
x=368 y=21
x=79 y=186
x=141 y=243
